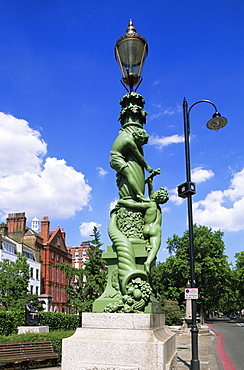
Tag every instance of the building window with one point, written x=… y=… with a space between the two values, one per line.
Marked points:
x=84 y=254
x=57 y=293
x=31 y=272
x=57 y=257
x=56 y=273
x=37 y=290
x=52 y=273
x=8 y=247
x=53 y=255
x=29 y=255
x=37 y=274
x=76 y=254
x=31 y=289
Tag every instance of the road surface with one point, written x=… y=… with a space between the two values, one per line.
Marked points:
x=230 y=340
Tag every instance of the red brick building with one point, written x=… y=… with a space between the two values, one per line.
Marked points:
x=54 y=251
x=50 y=249
x=79 y=254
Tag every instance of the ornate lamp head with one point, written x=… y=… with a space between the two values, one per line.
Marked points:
x=131 y=51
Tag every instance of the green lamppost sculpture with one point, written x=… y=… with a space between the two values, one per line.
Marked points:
x=135 y=222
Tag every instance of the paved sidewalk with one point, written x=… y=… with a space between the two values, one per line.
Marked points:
x=207 y=353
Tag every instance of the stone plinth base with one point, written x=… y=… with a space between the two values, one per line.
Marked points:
x=33 y=329
x=120 y=341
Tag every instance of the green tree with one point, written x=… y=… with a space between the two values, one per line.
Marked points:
x=14 y=279
x=214 y=276
x=239 y=276
x=87 y=283
x=76 y=282
x=95 y=271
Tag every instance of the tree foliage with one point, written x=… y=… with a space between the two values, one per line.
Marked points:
x=87 y=283
x=213 y=272
x=74 y=289
x=172 y=312
x=239 y=280
x=95 y=270
x=14 y=279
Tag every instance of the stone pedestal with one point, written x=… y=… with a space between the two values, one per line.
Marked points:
x=33 y=329
x=120 y=341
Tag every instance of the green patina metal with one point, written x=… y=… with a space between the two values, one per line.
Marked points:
x=135 y=222
x=132 y=112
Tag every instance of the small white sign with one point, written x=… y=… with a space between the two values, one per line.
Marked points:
x=191 y=293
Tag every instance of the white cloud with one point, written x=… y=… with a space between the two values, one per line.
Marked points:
x=34 y=185
x=161 y=142
x=155 y=83
x=173 y=196
x=101 y=172
x=164 y=111
x=113 y=204
x=169 y=111
x=223 y=209
x=199 y=175
x=21 y=147
x=86 y=228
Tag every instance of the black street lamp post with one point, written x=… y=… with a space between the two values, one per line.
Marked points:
x=186 y=190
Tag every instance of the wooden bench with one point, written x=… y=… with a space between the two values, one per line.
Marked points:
x=27 y=351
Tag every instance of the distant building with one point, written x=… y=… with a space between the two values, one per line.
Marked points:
x=79 y=255
x=44 y=247
x=9 y=249
x=54 y=280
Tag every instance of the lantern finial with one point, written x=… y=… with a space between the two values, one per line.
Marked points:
x=131 y=30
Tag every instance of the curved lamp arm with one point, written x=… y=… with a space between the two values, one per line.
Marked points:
x=203 y=101
x=215 y=123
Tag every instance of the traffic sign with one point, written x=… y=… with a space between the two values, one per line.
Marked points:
x=191 y=293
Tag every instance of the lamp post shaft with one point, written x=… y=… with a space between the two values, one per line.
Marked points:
x=195 y=365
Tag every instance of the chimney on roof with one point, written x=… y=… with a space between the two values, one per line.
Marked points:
x=16 y=224
x=63 y=233
x=3 y=229
x=45 y=229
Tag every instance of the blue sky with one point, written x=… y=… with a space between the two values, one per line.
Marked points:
x=60 y=92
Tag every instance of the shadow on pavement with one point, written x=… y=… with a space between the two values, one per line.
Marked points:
x=183 y=362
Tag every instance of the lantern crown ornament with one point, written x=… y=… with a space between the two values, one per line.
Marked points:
x=131 y=50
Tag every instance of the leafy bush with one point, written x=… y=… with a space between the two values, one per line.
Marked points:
x=59 y=321
x=10 y=320
x=172 y=313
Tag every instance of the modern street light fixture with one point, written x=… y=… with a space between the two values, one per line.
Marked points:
x=186 y=190
x=131 y=51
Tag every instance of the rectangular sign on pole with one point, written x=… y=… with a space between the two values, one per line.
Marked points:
x=191 y=293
